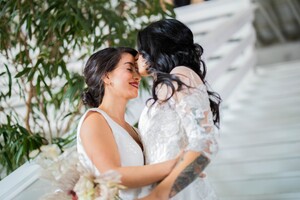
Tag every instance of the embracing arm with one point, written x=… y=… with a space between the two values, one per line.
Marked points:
x=100 y=146
x=185 y=172
x=189 y=169
x=138 y=176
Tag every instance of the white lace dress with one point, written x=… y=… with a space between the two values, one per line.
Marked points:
x=183 y=122
x=130 y=152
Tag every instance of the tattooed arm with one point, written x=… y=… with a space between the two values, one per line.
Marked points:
x=189 y=174
x=185 y=172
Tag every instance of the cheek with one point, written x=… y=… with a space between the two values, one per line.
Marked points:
x=143 y=71
x=142 y=66
x=121 y=80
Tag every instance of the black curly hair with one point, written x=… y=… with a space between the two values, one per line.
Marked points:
x=166 y=44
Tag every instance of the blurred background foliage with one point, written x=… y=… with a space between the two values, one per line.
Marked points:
x=39 y=41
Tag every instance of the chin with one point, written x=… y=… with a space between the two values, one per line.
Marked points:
x=132 y=96
x=135 y=96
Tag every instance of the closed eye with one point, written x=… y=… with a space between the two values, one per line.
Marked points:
x=133 y=69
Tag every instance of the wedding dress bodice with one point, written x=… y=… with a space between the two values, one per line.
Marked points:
x=130 y=152
x=183 y=122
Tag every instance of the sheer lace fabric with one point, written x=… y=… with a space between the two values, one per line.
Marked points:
x=183 y=122
x=196 y=120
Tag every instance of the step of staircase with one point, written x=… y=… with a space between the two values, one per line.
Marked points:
x=259 y=156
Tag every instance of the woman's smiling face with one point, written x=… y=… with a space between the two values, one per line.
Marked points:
x=124 y=79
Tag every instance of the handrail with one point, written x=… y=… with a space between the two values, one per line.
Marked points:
x=19 y=180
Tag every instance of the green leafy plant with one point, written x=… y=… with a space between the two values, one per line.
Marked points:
x=41 y=43
x=16 y=145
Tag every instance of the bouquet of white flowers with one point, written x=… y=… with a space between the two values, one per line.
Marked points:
x=72 y=180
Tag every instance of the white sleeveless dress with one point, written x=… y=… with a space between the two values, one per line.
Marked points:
x=183 y=122
x=130 y=152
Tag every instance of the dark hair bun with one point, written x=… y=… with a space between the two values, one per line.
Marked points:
x=88 y=99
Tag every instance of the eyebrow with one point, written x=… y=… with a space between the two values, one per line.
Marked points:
x=128 y=63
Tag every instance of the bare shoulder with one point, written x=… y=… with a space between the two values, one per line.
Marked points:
x=187 y=76
x=99 y=143
x=94 y=124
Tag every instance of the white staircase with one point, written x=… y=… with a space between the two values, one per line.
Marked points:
x=259 y=155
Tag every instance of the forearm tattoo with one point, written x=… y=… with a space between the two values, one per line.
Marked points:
x=189 y=174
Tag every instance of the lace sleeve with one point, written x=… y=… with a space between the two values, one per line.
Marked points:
x=193 y=107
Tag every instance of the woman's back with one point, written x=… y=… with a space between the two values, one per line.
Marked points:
x=183 y=122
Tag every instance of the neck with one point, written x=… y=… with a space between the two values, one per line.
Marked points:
x=114 y=107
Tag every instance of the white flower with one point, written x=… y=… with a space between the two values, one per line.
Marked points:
x=34 y=153
x=71 y=178
x=109 y=183
x=84 y=188
x=104 y=193
x=68 y=179
x=50 y=151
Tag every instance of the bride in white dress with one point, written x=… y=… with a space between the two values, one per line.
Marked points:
x=182 y=114
x=105 y=141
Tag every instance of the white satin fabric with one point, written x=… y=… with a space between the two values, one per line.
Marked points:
x=130 y=152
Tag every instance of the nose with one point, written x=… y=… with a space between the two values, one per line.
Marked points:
x=136 y=75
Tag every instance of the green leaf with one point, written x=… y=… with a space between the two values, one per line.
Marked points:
x=23 y=130
x=65 y=71
x=9 y=81
x=31 y=74
x=67 y=115
x=38 y=85
x=46 y=85
x=28 y=26
x=26 y=70
x=20 y=153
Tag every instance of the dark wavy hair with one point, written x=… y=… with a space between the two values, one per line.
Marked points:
x=166 y=44
x=97 y=66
